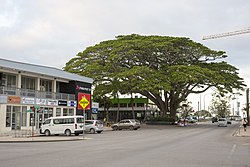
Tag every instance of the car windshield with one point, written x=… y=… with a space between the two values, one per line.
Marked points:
x=79 y=120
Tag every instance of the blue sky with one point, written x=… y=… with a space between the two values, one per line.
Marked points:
x=50 y=32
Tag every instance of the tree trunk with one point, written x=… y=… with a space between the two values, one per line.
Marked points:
x=173 y=108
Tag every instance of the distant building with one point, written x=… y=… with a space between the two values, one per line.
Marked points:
x=31 y=93
x=124 y=107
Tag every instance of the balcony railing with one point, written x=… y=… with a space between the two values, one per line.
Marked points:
x=36 y=94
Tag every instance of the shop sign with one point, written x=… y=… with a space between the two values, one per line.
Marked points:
x=41 y=101
x=62 y=103
x=28 y=100
x=14 y=99
x=80 y=88
x=72 y=103
x=52 y=102
x=95 y=105
x=94 y=110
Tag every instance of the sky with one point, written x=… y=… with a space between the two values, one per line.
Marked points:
x=50 y=33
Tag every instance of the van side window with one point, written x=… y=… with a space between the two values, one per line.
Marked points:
x=47 y=122
x=79 y=120
x=56 y=121
x=70 y=120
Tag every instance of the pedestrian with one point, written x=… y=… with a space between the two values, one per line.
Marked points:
x=244 y=122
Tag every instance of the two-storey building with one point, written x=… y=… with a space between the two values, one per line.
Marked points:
x=31 y=93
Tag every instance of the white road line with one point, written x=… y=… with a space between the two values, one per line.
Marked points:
x=227 y=163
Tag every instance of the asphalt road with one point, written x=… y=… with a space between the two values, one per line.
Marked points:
x=204 y=145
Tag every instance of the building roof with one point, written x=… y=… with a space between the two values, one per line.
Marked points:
x=128 y=100
x=43 y=70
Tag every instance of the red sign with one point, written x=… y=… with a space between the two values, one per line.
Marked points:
x=83 y=101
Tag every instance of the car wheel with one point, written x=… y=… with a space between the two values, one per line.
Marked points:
x=92 y=131
x=115 y=128
x=76 y=134
x=131 y=128
x=99 y=132
x=68 y=132
x=47 y=133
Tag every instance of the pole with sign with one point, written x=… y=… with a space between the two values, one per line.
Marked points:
x=32 y=119
x=84 y=102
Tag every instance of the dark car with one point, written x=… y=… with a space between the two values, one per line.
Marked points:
x=214 y=119
x=130 y=124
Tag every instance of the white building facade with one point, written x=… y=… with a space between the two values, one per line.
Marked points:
x=31 y=93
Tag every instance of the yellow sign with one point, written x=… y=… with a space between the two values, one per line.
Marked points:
x=84 y=102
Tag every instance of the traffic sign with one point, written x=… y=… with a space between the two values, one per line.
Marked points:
x=84 y=102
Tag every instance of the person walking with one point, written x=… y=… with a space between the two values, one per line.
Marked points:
x=244 y=122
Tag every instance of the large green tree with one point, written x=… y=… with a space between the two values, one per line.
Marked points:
x=164 y=69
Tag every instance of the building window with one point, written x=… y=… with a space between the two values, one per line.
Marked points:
x=16 y=117
x=11 y=80
x=13 y=117
x=140 y=104
x=24 y=116
x=8 y=116
x=71 y=111
x=130 y=104
x=68 y=111
x=46 y=85
x=48 y=112
x=123 y=104
x=65 y=112
x=28 y=83
x=58 y=112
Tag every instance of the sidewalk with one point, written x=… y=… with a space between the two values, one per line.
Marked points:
x=241 y=133
x=36 y=137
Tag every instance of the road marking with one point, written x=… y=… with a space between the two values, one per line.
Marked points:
x=227 y=163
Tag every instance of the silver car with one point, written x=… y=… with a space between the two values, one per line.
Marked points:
x=130 y=124
x=93 y=126
x=222 y=122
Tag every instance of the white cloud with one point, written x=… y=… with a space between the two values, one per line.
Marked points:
x=52 y=32
x=8 y=14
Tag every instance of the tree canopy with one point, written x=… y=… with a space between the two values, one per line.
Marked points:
x=164 y=69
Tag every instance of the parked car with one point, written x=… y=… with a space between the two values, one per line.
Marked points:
x=130 y=124
x=93 y=126
x=222 y=122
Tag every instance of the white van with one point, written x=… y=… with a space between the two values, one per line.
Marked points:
x=63 y=125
